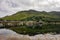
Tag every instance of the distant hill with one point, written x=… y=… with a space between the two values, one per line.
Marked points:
x=56 y=13
x=31 y=15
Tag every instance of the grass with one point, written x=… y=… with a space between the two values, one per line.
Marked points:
x=27 y=14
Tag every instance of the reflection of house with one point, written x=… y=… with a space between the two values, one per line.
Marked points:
x=20 y=23
x=1 y=25
x=40 y=23
x=10 y=24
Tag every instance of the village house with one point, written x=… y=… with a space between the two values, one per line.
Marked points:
x=16 y=23
x=29 y=23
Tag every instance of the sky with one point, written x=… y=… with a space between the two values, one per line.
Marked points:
x=9 y=7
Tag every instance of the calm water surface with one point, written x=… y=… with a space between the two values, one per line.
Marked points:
x=11 y=35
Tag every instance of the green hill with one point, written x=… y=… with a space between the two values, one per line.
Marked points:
x=31 y=15
x=56 y=12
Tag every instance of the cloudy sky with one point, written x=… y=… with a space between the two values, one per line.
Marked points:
x=9 y=7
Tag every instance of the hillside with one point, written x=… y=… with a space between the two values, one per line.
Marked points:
x=31 y=15
x=56 y=13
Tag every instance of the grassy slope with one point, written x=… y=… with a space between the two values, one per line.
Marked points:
x=26 y=14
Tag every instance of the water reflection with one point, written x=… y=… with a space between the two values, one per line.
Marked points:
x=11 y=35
x=7 y=32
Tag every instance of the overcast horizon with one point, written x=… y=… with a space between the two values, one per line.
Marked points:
x=9 y=7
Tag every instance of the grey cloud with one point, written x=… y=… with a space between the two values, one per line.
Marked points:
x=3 y=10
x=11 y=6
